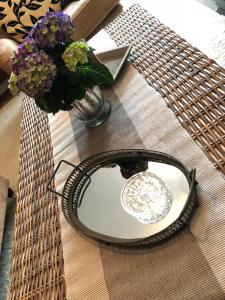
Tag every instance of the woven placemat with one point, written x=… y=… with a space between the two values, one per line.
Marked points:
x=192 y=84
x=37 y=264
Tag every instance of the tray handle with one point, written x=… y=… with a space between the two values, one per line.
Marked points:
x=53 y=176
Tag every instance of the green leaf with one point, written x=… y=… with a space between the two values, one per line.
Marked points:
x=56 y=55
x=75 y=92
x=41 y=103
x=97 y=73
x=73 y=78
x=49 y=103
x=65 y=106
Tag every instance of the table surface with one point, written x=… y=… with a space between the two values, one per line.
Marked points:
x=92 y=272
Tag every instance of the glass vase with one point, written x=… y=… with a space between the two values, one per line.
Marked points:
x=93 y=110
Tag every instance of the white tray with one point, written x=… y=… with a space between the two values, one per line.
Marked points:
x=114 y=58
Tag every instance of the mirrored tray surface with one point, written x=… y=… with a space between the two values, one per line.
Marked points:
x=129 y=197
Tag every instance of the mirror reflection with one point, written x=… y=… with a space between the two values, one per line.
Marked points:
x=132 y=199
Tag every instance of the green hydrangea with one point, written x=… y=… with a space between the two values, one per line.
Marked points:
x=76 y=52
x=12 y=84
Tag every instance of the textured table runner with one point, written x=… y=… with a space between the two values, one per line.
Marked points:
x=188 y=267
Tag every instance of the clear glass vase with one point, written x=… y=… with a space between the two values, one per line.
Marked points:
x=93 y=109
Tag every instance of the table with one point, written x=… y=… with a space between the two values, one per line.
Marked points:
x=188 y=267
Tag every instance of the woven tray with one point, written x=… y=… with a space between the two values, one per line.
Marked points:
x=192 y=84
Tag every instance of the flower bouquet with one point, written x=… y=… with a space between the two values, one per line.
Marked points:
x=52 y=68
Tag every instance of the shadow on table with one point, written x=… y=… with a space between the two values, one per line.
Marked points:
x=118 y=132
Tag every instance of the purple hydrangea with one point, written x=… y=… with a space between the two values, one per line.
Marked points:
x=24 y=50
x=53 y=29
x=37 y=75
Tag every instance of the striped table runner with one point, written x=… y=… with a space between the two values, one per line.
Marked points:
x=188 y=267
